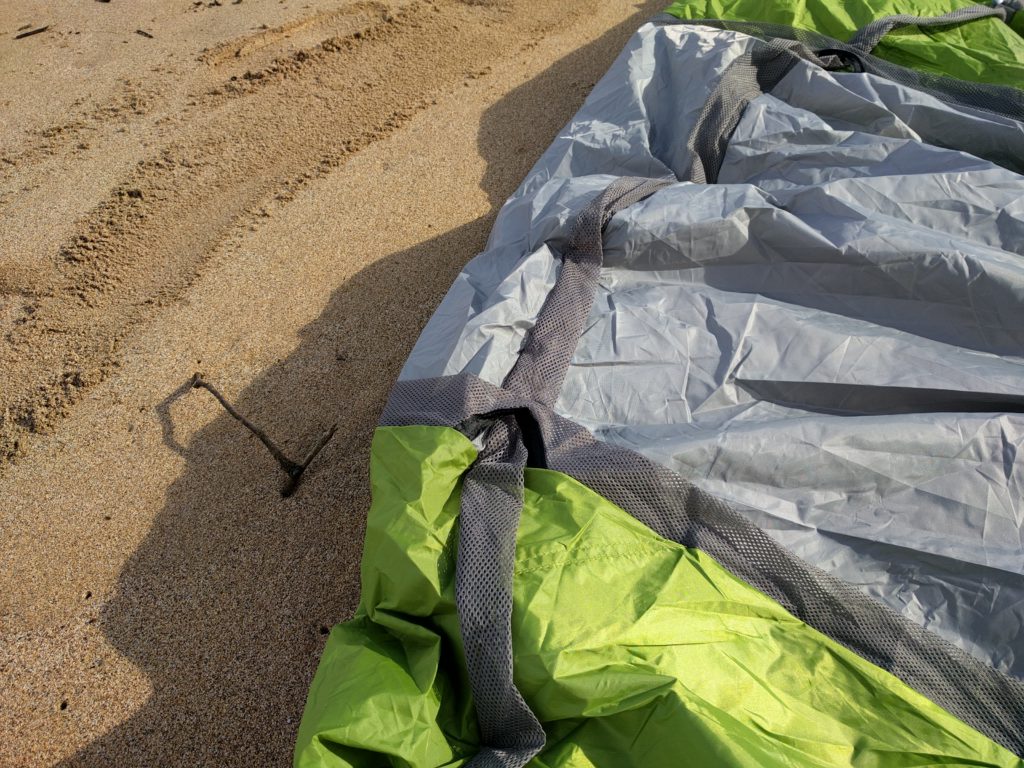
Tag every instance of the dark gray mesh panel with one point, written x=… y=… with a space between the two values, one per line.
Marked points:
x=492 y=500
x=448 y=401
x=869 y=36
x=549 y=345
x=984 y=698
x=998 y=99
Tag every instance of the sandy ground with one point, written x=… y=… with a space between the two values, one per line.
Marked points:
x=276 y=194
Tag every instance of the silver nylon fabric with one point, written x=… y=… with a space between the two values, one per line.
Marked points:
x=864 y=239
x=997 y=99
x=868 y=37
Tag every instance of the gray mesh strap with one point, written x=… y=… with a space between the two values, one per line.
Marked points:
x=549 y=345
x=492 y=500
x=492 y=493
x=869 y=36
x=752 y=74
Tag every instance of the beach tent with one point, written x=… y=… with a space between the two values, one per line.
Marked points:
x=715 y=455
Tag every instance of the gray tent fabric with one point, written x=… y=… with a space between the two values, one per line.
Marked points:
x=987 y=98
x=829 y=339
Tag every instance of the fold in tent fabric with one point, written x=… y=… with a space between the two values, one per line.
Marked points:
x=712 y=454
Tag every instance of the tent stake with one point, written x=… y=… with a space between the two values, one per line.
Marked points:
x=292 y=469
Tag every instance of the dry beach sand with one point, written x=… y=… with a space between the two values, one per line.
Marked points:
x=277 y=194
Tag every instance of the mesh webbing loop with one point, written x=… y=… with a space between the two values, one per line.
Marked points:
x=492 y=500
x=985 y=698
x=869 y=36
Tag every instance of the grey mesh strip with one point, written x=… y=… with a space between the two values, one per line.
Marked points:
x=492 y=500
x=999 y=99
x=549 y=345
x=868 y=37
x=492 y=492
x=752 y=74
x=981 y=696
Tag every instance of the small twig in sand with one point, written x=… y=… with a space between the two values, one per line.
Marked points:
x=293 y=469
x=144 y=33
x=31 y=32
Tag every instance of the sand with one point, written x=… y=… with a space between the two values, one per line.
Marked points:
x=276 y=194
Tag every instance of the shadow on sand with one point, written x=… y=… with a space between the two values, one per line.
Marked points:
x=249 y=582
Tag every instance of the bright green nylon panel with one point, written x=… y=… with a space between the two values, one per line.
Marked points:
x=631 y=649
x=984 y=50
x=378 y=689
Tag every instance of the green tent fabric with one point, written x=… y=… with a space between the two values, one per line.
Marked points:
x=728 y=676
x=986 y=50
